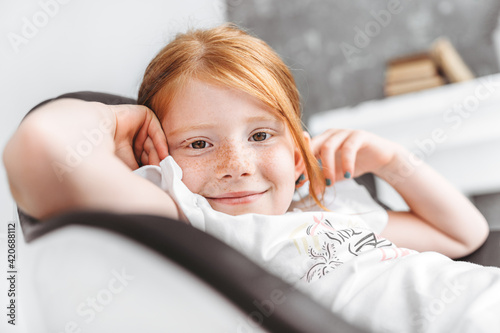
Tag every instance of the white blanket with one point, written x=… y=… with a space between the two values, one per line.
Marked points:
x=339 y=260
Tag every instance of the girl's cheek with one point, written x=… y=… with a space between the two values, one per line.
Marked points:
x=194 y=172
x=278 y=159
x=190 y=171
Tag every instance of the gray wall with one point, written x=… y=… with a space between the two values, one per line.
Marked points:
x=338 y=48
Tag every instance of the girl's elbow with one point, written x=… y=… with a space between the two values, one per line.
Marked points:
x=478 y=237
x=483 y=231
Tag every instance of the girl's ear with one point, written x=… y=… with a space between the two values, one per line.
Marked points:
x=300 y=166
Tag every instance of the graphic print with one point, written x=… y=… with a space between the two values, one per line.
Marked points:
x=327 y=260
x=332 y=247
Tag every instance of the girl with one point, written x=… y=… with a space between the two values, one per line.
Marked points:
x=227 y=115
x=224 y=67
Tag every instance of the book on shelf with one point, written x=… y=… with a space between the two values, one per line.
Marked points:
x=403 y=87
x=450 y=61
x=410 y=68
x=441 y=65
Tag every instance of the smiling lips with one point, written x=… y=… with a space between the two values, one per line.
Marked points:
x=237 y=198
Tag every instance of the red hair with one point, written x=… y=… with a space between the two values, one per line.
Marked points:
x=230 y=57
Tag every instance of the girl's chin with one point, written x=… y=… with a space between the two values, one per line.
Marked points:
x=235 y=211
x=249 y=209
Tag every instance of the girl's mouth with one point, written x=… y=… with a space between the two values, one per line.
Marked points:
x=237 y=198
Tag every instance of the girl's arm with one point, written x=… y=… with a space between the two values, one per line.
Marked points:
x=74 y=155
x=440 y=218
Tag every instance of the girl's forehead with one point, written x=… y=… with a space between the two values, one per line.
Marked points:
x=204 y=99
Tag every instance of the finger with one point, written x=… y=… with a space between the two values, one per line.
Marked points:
x=349 y=151
x=141 y=136
x=152 y=128
x=148 y=145
x=153 y=158
x=131 y=119
x=144 y=158
x=318 y=141
x=316 y=144
x=328 y=154
x=149 y=148
x=158 y=137
x=152 y=132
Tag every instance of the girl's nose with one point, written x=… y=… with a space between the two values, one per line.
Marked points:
x=234 y=161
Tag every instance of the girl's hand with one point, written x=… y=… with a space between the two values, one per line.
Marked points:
x=440 y=218
x=139 y=138
x=347 y=153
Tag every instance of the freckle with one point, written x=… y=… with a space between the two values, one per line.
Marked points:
x=196 y=166
x=227 y=160
x=223 y=157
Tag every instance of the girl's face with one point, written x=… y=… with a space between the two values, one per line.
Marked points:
x=232 y=149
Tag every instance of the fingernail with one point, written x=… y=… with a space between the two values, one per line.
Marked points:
x=301 y=178
x=328 y=181
x=347 y=175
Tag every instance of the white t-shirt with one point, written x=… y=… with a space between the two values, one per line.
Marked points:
x=338 y=259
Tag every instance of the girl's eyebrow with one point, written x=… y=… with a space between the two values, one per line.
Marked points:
x=203 y=126
x=192 y=128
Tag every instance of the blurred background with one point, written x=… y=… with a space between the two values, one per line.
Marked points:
x=339 y=49
x=340 y=53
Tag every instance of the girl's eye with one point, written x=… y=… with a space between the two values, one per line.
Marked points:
x=200 y=144
x=261 y=136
